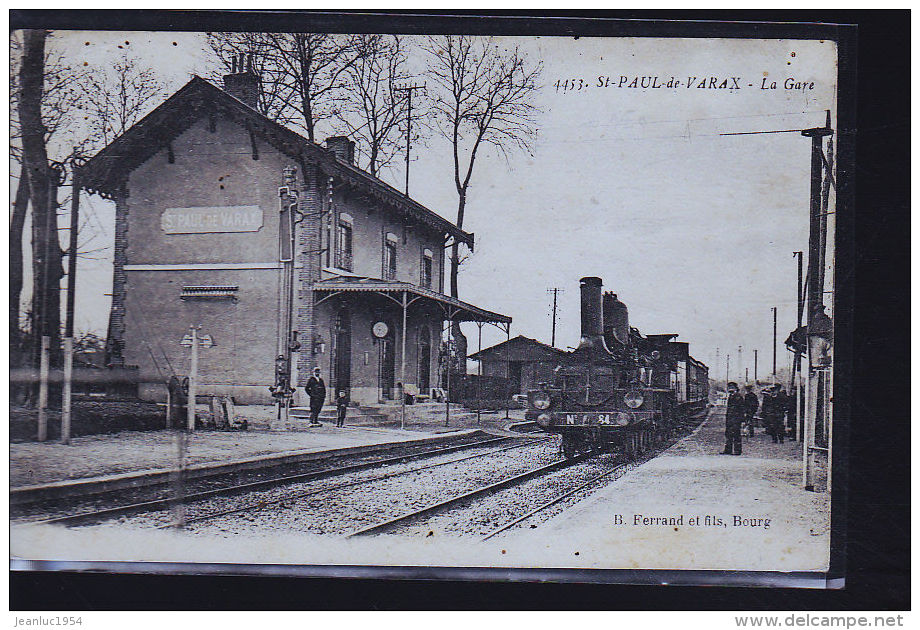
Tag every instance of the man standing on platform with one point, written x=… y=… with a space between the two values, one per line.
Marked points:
x=791 y=404
x=734 y=416
x=751 y=405
x=782 y=406
x=768 y=412
x=316 y=390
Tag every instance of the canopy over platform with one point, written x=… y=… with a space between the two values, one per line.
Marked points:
x=405 y=294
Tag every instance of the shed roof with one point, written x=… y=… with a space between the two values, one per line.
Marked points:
x=105 y=172
x=519 y=343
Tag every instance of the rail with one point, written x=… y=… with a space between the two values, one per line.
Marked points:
x=460 y=498
x=163 y=503
x=552 y=502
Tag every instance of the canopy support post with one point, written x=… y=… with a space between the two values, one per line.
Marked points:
x=402 y=368
x=479 y=379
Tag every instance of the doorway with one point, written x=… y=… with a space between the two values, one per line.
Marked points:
x=386 y=369
x=341 y=335
x=515 y=371
x=424 y=360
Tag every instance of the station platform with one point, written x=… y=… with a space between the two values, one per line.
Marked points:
x=693 y=508
x=130 y=458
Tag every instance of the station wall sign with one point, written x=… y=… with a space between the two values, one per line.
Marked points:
x=202 y=220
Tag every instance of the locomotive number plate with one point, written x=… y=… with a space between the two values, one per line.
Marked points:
x=589 y=418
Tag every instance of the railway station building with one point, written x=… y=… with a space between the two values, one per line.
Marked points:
x=276 y=247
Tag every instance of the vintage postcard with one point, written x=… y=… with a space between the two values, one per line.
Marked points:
x=496 y=306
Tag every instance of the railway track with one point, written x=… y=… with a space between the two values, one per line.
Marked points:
x=403 y=519
x=445 y=509
x=426 y=504
x=258 y=505
x=97 y=515
x=548 y=504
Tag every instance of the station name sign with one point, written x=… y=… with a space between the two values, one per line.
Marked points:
x=203 y=220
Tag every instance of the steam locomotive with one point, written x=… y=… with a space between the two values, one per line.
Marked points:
x=618 y=390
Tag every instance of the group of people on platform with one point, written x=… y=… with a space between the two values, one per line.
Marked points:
x=316 y=390
x=741 y=412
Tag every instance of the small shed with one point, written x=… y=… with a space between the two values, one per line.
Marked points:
x=525 y=362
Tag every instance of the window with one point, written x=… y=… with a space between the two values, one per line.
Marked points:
x=426 y=268
x=344 y=241
x=389 y=257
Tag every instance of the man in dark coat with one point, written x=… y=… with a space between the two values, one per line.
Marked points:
x=780 y=406
x=734 y=416
x=773 y=411
x=316 y=390
x=768 y=412
x=751 y=405
x=791 y=403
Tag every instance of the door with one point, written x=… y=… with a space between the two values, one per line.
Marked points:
x=386 y=371
x=515 y=369
x=342 y=350
x=424 y=360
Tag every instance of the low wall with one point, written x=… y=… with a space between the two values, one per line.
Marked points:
x=90 y=418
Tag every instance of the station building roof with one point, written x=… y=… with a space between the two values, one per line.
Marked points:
x=105 y=172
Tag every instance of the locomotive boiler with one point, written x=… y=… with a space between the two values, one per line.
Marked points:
x=618 y=390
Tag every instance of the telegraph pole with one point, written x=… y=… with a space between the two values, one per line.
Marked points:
x=739 y=363
x=71 y=302
x=755 y=366
x=192 y=378
x=408 y=89
x=815 y=292
x=797 y=365
x=727 y=362
x=555 y=291
x=46 y=247
x=716 y=364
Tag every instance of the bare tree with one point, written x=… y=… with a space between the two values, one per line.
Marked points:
x=59 y=96
x=47 y=254
x=374 y=109
x=302 y=74
x=483 y=96
x=17 y=226
x=313 y=67
x=229 y=46
x=79 y=111
x=114 y=99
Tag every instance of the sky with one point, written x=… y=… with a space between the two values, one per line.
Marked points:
x=693 y=230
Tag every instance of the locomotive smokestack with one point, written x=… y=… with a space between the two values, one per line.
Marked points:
x=592 y=324
x=592 y=318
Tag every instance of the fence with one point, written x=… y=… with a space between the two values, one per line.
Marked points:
x=482 y=392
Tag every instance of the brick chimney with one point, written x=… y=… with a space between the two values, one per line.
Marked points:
x=342 y=147
x=242 y=83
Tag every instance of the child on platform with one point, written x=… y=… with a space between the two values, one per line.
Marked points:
x=341 y=406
